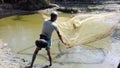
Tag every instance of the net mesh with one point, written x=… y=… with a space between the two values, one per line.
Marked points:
x=88 y=29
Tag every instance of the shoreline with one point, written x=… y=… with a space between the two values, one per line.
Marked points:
x=8 y=59
x=9 y=11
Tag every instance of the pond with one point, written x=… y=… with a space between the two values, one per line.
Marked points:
x=21 y=32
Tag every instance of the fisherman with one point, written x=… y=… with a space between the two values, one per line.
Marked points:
x=45 y=38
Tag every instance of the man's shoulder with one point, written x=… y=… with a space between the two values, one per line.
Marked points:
x=46 y=20
x=54 y=24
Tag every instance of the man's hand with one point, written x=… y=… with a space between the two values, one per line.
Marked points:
x=64 y=43
x=68 y=45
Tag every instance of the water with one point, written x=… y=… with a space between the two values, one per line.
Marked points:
x=20 y=32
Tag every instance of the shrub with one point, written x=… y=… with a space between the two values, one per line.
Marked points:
x=33 y=5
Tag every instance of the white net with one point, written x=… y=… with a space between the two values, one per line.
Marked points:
x=93 y=30
x=88 y=29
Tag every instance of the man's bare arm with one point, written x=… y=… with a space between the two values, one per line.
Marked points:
x=60 y=37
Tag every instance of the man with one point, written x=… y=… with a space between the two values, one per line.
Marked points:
x=48 y=27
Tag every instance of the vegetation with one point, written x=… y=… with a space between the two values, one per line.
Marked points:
x=33 y=5
x=27 y=4
x=41 y=4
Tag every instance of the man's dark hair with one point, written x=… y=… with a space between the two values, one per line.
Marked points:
x=54 y=14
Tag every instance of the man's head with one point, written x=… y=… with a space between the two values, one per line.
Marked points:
x=54 y=15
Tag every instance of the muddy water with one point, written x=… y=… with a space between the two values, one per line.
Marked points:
x=20 y=32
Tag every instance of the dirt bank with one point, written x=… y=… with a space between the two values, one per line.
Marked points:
x=8 y=59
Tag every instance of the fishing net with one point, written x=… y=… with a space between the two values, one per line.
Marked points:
x=88 y=29
x=93 y=30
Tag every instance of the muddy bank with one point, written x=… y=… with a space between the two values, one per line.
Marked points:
x=7 y=10
x=8 y=59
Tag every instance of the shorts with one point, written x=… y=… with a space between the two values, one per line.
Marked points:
x=42 y=36
x=49 y=45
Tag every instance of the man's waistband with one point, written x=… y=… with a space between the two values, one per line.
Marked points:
x=42 y=36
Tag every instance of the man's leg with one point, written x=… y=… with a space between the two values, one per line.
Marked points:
x=34 y=56
x=48 y=51
x=49 y=56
